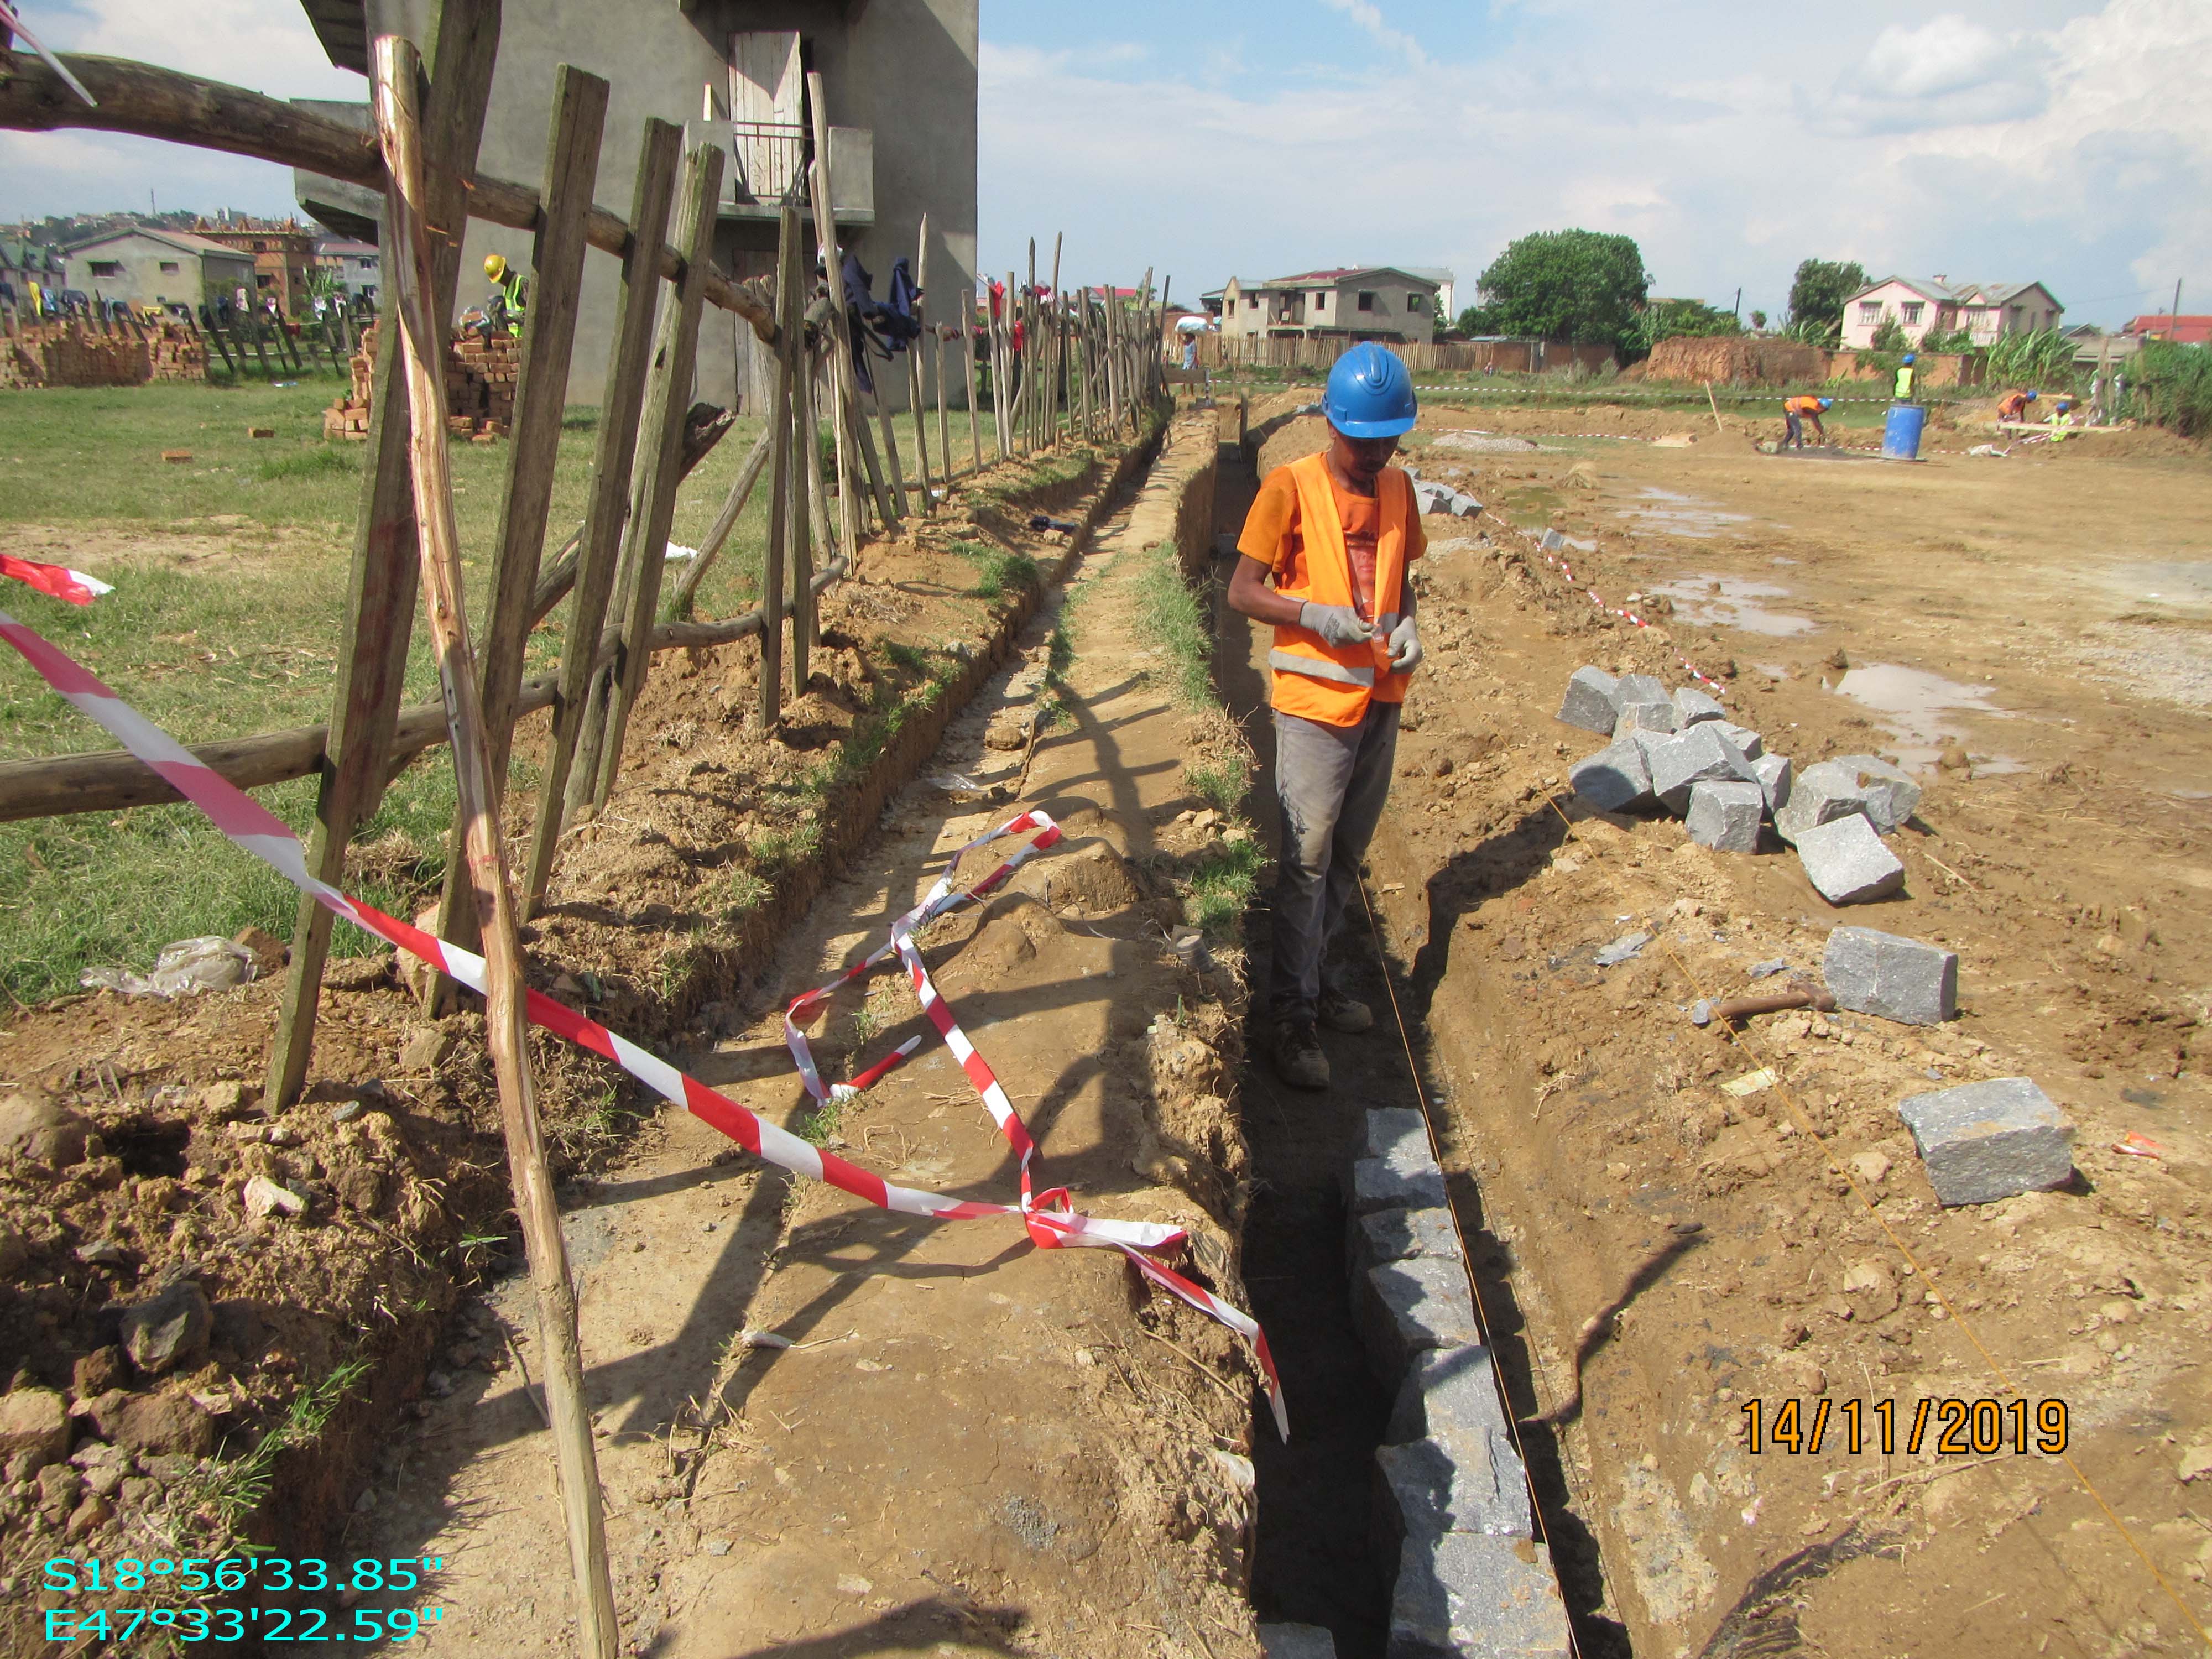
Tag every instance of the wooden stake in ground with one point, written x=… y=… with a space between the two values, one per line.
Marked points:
x=914 y=388
x=1052 y=363
x=541 y=396
x=380 y=607
x=423 y=341
x=1712 y=403
x=845 y=415
x=968 y=357
x=779 y=473
x=653 y=508
x=805 y=499
x=616 y=451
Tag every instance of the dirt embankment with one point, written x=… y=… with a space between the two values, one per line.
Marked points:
x=210 y=1431
x=2063 y=855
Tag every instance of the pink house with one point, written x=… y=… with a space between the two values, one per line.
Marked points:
x=1920 y=306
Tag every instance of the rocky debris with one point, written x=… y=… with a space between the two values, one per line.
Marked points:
x=1772 y=771
x=1844 y=859
x=1592 y=701
x=1700 y=753
x=1821 y=794
x=34 y=1431
x=171 y=1327
x=1892 y=977
x=1643 y=704
x=1692 y=707
x=426 y=1049
x=35 y=1125
x=1743 y=737
x=96 y=1372
x=1983 y=1141
x=1614 y=778
x=264 y=1198
x=1725 y=815
x=14 y=1252
x=1890 y=797
x=1010 y=728
x=157 y=1424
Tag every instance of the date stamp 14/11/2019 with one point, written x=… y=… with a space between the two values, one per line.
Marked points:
x=1947 y=1427
x=190 y=1586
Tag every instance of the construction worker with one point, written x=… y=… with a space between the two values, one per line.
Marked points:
x=2013 y=406
x=2062 y=420
x=511 y=294
x=1904 y=379
x=1325 y=553
x=1796 y=412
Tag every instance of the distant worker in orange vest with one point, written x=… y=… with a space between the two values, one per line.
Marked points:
x=2014 y=405
x=1325 y=553
x=1796 y=412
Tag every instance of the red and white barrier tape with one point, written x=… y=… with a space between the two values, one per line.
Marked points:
x=1552 y=544
x=1049 y=1218
x=53 y=580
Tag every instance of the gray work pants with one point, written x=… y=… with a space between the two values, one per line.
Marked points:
x=1332 y=781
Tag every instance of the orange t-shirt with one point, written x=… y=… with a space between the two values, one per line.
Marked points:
x=1272 y=534
x=1803 y=405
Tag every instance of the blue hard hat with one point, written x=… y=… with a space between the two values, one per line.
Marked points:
x=2032 y=396
x=1370 y=394
x=1908 y=356
x=1827 y=403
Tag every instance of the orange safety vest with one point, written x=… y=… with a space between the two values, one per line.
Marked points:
x=1332 y=683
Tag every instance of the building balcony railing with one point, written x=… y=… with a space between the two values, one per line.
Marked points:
x=769 y=162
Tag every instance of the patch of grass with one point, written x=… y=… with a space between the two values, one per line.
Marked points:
x=1172 y=619
x=817 y=1125
x=1224 y=885
x=999 y=571
x=1223 y=782
x=312 y=463
x=237 y=1488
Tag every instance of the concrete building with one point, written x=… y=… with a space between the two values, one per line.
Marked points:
x=899 y=78
x=1356 y=302
x=2186 y=328
x=143 y=267
x=357 y=267
x=1920 y=306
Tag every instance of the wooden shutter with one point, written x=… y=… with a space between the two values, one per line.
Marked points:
x=766 y=86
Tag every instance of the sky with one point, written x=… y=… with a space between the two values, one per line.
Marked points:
x=2067 y=141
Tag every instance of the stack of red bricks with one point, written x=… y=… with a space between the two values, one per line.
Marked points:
x=75 y=354
x=480 y=376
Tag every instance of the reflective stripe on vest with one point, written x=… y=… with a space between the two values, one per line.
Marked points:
x=1312 y=678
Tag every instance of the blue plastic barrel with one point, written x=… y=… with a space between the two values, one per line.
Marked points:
x=1900 y=433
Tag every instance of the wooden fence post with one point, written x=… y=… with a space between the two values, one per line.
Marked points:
x=749 y=472
x=844 y=389
x=916 y=390
x=780 y=458
x=968 y=351
x=541 y=396
x=379 y=609
x=423 y=339
x=653 y=507
x=611 y=464
x=805 y=489
x=1052 y=347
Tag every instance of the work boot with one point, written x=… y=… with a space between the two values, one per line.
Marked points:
x=1297 y=1056
x=1342 y=1012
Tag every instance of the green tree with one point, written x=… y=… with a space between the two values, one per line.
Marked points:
x=1821 y=286
x=1582 y=286
x=1890 y=337
x=1759 y=320
x=1666 y=319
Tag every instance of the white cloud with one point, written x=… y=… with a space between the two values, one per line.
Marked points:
x=1370 y=17
x=2079 y=155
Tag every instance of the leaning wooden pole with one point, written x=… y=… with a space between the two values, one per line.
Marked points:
x=1052 y=359
x=968 y=356
x=843 y=416
x=915 y=389
x=778 y=472
x=559 y=1351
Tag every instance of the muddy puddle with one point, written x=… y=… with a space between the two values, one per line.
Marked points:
x=1921 y=710
x=1674 y=513
x=1735 y=602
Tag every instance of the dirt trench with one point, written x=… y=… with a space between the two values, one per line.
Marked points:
x=938 y=1438
x=2060 y=850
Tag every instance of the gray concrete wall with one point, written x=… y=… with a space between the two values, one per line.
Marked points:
x=142 y=280
x=906 y=69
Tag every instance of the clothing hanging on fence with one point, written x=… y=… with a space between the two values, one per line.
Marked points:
x=877 y=329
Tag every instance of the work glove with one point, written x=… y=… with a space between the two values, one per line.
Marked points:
x=1337 y=625
x=1405 y=641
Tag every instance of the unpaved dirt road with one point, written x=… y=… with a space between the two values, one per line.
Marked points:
x=2042 y=618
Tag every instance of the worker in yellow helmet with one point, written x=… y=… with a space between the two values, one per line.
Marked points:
x=512 y=295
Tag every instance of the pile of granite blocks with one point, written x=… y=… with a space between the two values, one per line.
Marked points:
x=1451 y=1496
x=1680 y=751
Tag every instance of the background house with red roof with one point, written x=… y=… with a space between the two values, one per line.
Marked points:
x=2187 y=328
x=1352 y=302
